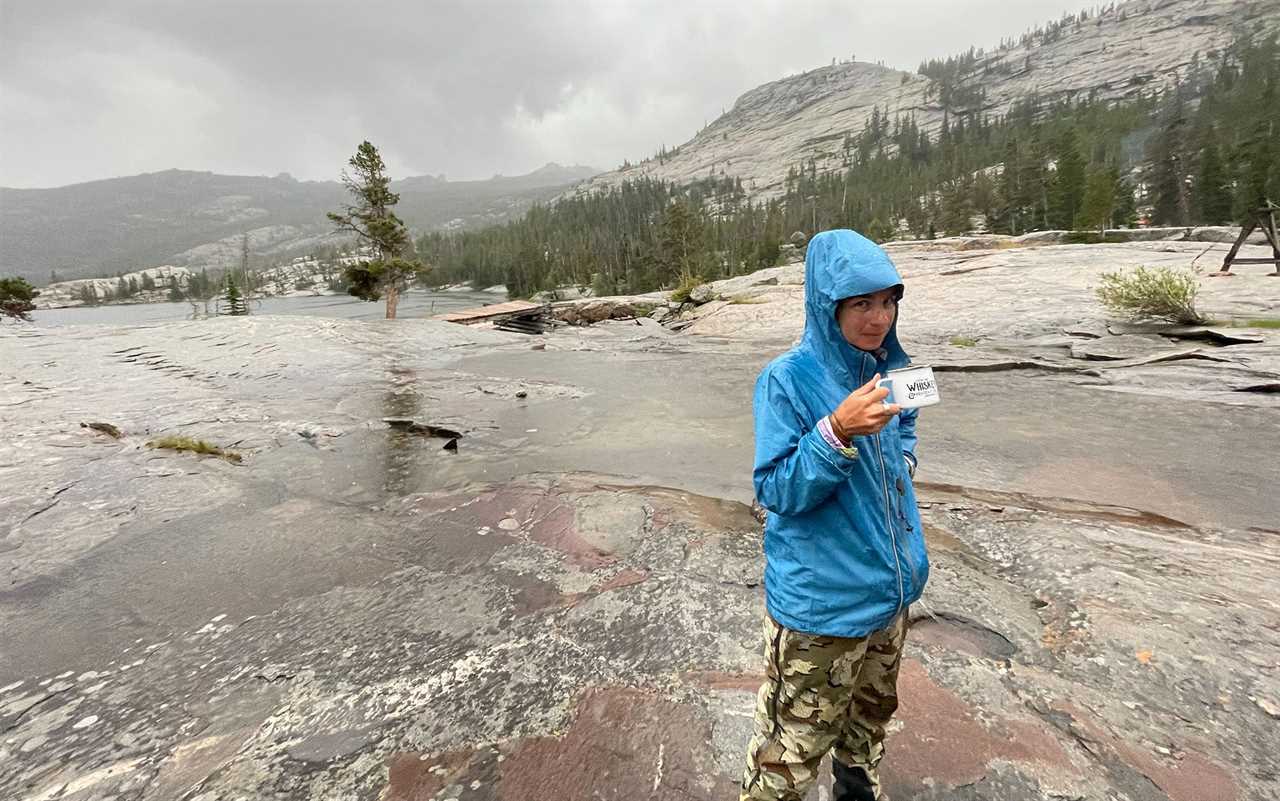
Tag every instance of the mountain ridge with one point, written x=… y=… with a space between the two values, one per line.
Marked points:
x=1135 y=47
x=196 y=218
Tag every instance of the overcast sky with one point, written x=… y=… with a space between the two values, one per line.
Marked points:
x=102 y=88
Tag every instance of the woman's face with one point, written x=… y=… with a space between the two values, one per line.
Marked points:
x=865 y=320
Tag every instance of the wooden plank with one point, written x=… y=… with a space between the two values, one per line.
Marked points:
x=520 y=325
x=483 y=313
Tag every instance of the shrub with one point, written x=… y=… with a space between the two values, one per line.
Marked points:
x=1152 y=293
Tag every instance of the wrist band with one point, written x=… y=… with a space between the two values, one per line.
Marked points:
x=829 y=436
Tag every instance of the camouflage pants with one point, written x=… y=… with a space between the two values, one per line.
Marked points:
x=821 y=693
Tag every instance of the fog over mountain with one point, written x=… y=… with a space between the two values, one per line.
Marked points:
x=457 y=89
x=467 y=89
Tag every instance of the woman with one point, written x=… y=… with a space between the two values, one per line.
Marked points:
x=844 y=546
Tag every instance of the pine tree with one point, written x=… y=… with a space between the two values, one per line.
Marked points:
x=1125 y=210
x=1212 y=193
x=372 y=219
x=1167 y=170
x=681 y=248
x=1099 y=199
x=232 y=297
x=1067 y=190
x=15 y=298
x=244 y=265
x=1033 y=183
x=1260 y=157
x=1009 y=213
x=956 y=208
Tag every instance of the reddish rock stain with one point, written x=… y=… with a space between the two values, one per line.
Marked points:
x=623 y=744
x=410 y=777
x=1193 y=777
x=715 y=680
x=943 y=741
x=628 y=577
x=553 y=526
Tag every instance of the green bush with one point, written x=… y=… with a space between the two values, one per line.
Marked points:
x=1152 y=293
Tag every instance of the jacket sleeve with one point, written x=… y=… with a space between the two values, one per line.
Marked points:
x=907 y=433
x=795 y=469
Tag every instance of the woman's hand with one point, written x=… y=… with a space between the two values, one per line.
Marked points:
x=863 y=412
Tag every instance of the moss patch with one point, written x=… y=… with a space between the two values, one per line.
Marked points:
x=963 y=342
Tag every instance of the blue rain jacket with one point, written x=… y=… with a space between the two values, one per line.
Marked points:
x=844 y=546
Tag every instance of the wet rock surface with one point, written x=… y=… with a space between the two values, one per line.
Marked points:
x=1033 y=309
x=568 y=606
x=1048 y=659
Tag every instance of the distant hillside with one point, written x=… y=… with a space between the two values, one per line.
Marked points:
x=196 y=219
x=1156 y=113
x=1127 y=49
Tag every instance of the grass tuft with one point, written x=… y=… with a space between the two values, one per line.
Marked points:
x=191 y=445
x=688 y=283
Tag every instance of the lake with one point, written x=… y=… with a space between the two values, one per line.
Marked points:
x=415 y=303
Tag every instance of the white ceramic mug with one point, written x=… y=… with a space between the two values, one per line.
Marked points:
x=911 y=387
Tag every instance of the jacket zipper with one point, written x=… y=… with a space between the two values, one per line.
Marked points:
x=888 y=508
x=888 y=516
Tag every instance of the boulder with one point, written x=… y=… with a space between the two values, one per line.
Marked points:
x=1226 y=234
x=790 y=254
x=1041 y=238
x=1146 y=234
x=703 y=293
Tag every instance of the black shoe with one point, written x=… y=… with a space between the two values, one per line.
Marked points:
x=851 y=784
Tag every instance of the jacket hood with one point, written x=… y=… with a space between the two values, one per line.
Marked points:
x=841 y=264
